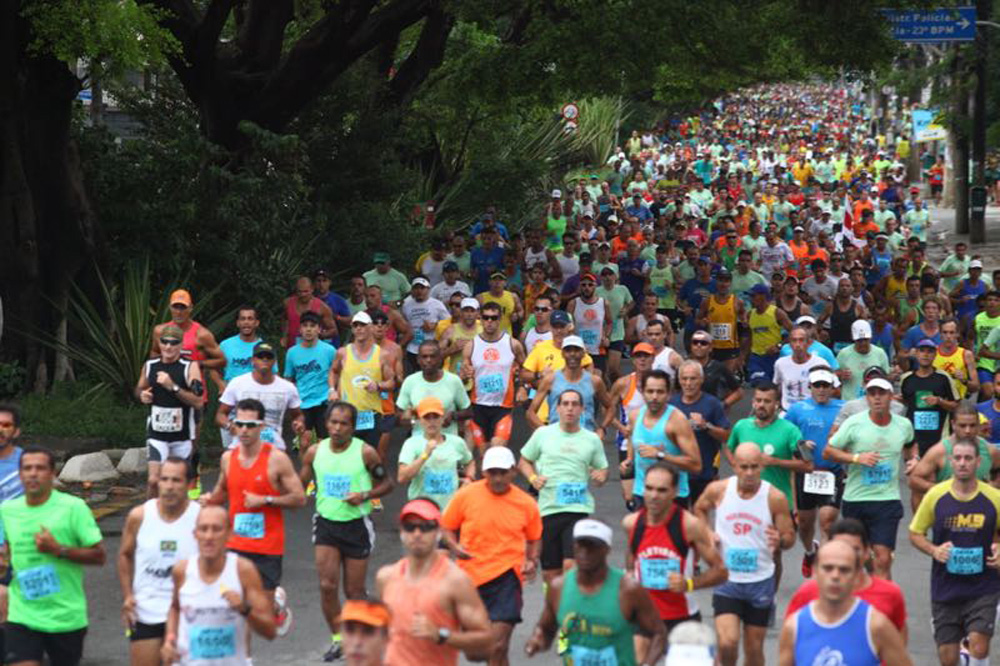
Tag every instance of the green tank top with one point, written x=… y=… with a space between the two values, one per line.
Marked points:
x=338 y=474
x=983 y=324
x=555 y=227
x=662 y=282
x=591 y=627
x=985 y=461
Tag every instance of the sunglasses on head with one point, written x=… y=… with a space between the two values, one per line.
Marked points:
x=423 y=528
x=247 y=424
x=169 y=342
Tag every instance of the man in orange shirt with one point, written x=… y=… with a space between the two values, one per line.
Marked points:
x=866 y=224
x=501 y=541
x=863 y=203
x=799 y=248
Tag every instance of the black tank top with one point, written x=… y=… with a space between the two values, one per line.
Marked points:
x=170 y=420
x=793 y=313
x=840 y=323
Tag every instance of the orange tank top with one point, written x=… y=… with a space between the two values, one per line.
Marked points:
x=407 y=597
x=254 y=530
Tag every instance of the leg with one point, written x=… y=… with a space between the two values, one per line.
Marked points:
x=727 y=628
x=614 y=364
x=753 y=645
x=328 y=569
x=502 y=430
x=501 y=643
x=152 y=479
x=145 y=653
x=354 y=577
x=883 y=561
x=979 y=645
x=827 y=517
x=948 y=654
x=807 y=527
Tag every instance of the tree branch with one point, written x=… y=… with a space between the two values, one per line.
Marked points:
x=426 y=56
x=262 y=32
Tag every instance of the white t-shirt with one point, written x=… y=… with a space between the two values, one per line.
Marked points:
x=417 y=314
x=432 y=270
x=278 y=396
x=793 y=378
x=443 y=291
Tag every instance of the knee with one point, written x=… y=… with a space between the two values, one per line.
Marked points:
x=329 y=585
x=979 y=646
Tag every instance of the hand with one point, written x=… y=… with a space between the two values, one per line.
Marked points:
x=539 y=482
x=128 y=612
x=773 y=537
x=522 y=395
x=910 y=464
x=811 y=445
x=943 y=552
x=354 y=499
x=697 y=420
x=204 y=499
x=649 y=451
x=431 y=445
x=253 y=500
x=422 y=627
x=625 y=465
x=169 y=654
x=623 y=429
x=676 y=583
x=298 y=426
x=869 y=459
x=333 y=395
x=932 y=401
x=993 y=559
x=844 y=374
x=232 y=597
x=533 y=646
x=45 y=542
x=146 y=396
x=595 y=475
x=164 y=380
x=371 y=386
x=529 y=569
x=466 y=371
x=429 y=326
x=447 y=420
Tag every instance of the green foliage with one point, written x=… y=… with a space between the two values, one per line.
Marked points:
x=71 y=410
x=12 y=378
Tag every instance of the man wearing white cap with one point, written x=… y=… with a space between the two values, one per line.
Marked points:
x=422 y=313
x=597 y=607
x=589 y=385
x=858 y=357
x=791 y=373
x=501 y=532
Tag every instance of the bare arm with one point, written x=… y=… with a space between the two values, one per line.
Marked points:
x=373 y=463
x=890 y=644
x=475 y=637
x=306 y=471
x=645 y=615
x=294 y=494
x=703 y=540
x=333 y=378
x=220 y=494
x=786 y=644
x=261 y=616
x=168 y=652
x=541 y=395
x=679 y=431
x=222 y=415
x=214 y=358
x=782 y=517
x=545 y=630
x=126 y=563
x=923 y=477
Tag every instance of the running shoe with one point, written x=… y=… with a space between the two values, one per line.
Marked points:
x=283 y=614
x=376 y=504
x=808 y=559
x=334 y=653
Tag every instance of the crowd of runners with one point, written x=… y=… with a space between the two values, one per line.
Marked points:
x=771 y=246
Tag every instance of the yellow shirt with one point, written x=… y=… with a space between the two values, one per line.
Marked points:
x=544 y=357
x=506 y=302
x=954 y=366
x=354 y=377
x=764 y=329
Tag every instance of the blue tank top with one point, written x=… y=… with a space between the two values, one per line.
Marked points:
x=882 y=262
x=655 y=436
x=848 y=642
x=585 y=386
x=968 y=308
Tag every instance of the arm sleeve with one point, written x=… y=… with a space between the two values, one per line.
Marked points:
x=531 y=450
x=842 y=438
x=84 y=526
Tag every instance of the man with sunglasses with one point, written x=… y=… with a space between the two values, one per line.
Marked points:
x=197 y=342
x=626 y=396
x=542 y=330
x=436 y=610
x=173 y=389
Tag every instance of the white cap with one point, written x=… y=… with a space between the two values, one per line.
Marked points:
x=975 y=263
x=799 y=227
x=573 y=341
x=861 y=330
x=556 y=194
x=588 y=528
x=691 y=644
x=421 y=281
x=879 y=382
x=498 y=457
x=362 y=317
x=822 y=375
x=806 y=319
x=612 y=218
x=469 y=303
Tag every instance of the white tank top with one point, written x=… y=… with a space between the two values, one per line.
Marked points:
x=211 y=632
x=531 y=257
x=641 y=323
x=533 y=337
x=662 y=362
x=492 y=363
x=569 y=266
x=589 y=321
x=159 y=546
x=741 y=525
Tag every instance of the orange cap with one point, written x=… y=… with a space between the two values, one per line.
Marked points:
x=430 y=405
x=372 y=613
x=644 y=348
x=421 y=507
x=180 y=297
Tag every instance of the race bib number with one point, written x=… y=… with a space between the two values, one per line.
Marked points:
x=38 y=582
x=166 y=419
x=336 y=485
x=655 y=572
x=418 y=335
x=490 y=384
x=249 y=525
x=571 y=492
x=722 y=331
x=923 y=420
x=819 y=483
x=439 y=483
x=366 y=420
x=590 y=339
x=268 y=435
x=586 y=656
x=212 y=642
x=876 y=475
x=661 y=290
x=741 y=560
x=965 y=561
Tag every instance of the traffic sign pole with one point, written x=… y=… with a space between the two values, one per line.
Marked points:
x=977 y=217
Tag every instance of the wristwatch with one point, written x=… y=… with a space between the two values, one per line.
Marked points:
x=660 y=455
x=443 y=636
x=269 y=500
x=176 y=388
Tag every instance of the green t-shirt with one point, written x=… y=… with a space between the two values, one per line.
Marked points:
x=46 y=593
x=616 y=298
x=438 y=477
x=987 y=333
x=778 y=440
x=685 y=271
x=598 y=267
x=850 y=359
x=951 y=264
x=394 y=284
x=449 y=389
x=754 y=245
x=661 y=280
x=858 y=434
x=742 y=284
x=565 y=459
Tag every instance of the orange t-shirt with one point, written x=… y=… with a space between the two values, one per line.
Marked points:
x=494 y=529
x=860 y=206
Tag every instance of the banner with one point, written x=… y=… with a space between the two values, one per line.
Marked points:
x=924 y=127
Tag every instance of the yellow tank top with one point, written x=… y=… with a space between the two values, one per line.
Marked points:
x=454 y=362
x=895 y=289
x=766 y=330
x=506 y=301
x=355 y=376
x=722 y=323
x=954 y=366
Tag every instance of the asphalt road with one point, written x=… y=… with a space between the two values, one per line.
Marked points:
x=106 y=645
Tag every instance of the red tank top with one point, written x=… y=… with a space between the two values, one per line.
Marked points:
x=292 y=318
x=254 y=530
x=406 y=598
x=660 y=550
x=390 y=333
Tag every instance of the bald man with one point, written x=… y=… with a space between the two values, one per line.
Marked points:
x=299 y=303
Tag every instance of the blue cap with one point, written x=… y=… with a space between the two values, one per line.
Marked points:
x=559 y=318
x=927 y=342
x=760 y=289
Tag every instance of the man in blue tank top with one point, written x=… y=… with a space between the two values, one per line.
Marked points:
x=589 y=385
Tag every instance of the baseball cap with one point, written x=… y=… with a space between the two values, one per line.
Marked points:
x=588 y=276
x=691 y=644
x=420 y=507
x=172 y=331
x=798 y=228
x=880 y=383
x=321 y=272
x=611 y=218
x=361 y=317
x=861 y=330
x=430 y=405
x=262 y=348
x=498 y=274
x=806 y=319
x=975 y=263
x=498 y=457
x=559 y=318
x=556 y=194
x=449 y=266
x=607 y=269
x=822 y=375
x=926 y=342
x=643 y=348
x=372 y=613
x=180 y=297
x=381 y=258
x=874 y=371
x=421 y=282
x=723 y=274
x=760 y=289
x=310 y=317
x=468 y=302
x=588 y=528
x=573 y=341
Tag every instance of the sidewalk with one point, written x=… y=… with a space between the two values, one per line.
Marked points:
x=941 y=238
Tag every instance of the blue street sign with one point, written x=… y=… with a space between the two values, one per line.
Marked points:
x=943 y=24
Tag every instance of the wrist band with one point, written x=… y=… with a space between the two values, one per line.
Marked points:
x=856 y=458
x=690 y=584
x=424 y=456
x=531 y=479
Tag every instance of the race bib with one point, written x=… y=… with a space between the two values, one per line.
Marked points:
x=741 y=560
x=877 y=475
x=249 y=525
x=926 y=420
x=655 y=572
x=590 y=339
x=965 y=561
x=38 y=582
x=418 y=335
x=366 y=420
x=166 y=419
x=490 y=384
x=439 y=483
x=819 y=483
x=336 y=485
x=212 y=642
x=268 y=435
x=586 y=656
x=721 y=331
x=571 y=492
x=661 y=290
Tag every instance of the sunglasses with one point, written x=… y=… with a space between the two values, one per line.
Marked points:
x=247 y=424
x=266 y=357
x=178 y=306
x=538 y=309
x=490 y=317
x=7 y=424
x=423 y=528
x=169 y=342
x=822 y=384
x=700 y=342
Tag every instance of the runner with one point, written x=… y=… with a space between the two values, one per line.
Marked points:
x=595 y=608
x=463 y=331
x=593 y=320
x=542 y=308
x=392 y=283
x=393 y=354
x=626 y=395
x=218 y=601
x=348 y=474
x=855 y=358
x=873 y=442
x=501 y=531
x=766 y=322
x=752 y=522
x=724 y=316
x=198 y=343
x=791 y=373
x=173 y=388
x=618 y=302
x=839 y=628
x=665 y=358
x=302 y=302
x=433 y=381
x=366 y=632
x=665 y=542
x=965 y=584
x=238 y=350
x=436 y=611
x=430 y=458
x=929 y=396
x=307 y=365
x=559 y=460
x=511 y=309
x=708 y=419
x=589 y=385
x=10 y=487
x=986 y=327
x=720 y=380
x=956 y=362
x=451 y=284
x=49 y=536
x=157 y=534
x=422 y=313
x=337 y=304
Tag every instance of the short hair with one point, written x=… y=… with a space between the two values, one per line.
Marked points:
x=668 y=468
x=569 y=390
x=691 y=363
x=429 y=343
x=378 y=316
x=251 y=404
x=13 y=410
x=655 y=374
x=244 y=308
x=345 y=406
x=656 y=322
x=765 y=387
x=34 y=449
x=544 y=296
x=851 y=527
x=966 y=409
x=309 y=317
x=189 y=471
x=490 y=305
x=747 y=253
x=966 y=441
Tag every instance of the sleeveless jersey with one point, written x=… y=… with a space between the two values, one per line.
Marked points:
x=170 y=418
x=795 y=311
x=765 y=329
x=592 y=628
x=586 y=388
x=338 y=474
x=741 y=525
x=660 y=550
x=214 y=633
x=531 y=257
x=408 y=598
x=493 y=363
x=631 y=401
x=722 y=323
x=953 y=365
x=353 y=378
x=506 y=303
x=160 y=545
x=654 y=436
x=292 y=318
x=259 y=530
x=662 y=362
x=985 y=460
x=840 y=323
x=846 y=642
x=589 y=319
x=533 y=337
x=895 y=288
